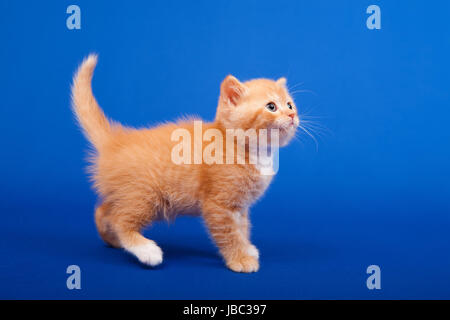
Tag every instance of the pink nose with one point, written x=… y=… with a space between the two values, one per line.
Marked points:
x=292 y=115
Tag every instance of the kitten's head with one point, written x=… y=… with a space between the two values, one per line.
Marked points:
x=258 y=104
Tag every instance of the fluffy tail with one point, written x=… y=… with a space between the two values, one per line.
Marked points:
x=91 y=118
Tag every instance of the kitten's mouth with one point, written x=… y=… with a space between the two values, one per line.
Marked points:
x=286 y=129
x=290 y=126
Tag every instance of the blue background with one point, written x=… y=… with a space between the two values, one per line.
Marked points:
x=374 y=191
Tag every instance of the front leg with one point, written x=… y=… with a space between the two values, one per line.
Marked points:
x=245 y=229
x=229 y=229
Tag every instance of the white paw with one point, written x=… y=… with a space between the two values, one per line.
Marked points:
x=252 y=251
x=149 y=254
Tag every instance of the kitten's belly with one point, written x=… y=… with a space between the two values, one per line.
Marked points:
x=171 y=211
x=193 y=211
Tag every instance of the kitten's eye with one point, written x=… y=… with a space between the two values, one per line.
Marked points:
x=290 y=105
x=271 y=107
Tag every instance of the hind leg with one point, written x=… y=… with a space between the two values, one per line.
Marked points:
x=127 y=221
x=146 y=250
x=104 y=226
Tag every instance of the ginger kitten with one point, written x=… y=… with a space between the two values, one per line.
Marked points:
x=138 y=182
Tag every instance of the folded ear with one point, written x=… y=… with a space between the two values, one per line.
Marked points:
x=282 y=82
x=231 y=90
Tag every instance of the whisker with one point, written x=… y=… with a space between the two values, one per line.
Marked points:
x=306 y=110
x=295 y=86
x=306 y=117
x=314 y=124
x=311 y=136
x=303 y=91
x=297 y=138
x=317 y=128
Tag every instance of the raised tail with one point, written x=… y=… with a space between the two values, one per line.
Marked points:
x=91 y=118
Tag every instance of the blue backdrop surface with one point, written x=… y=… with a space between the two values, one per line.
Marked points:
x=375 y=189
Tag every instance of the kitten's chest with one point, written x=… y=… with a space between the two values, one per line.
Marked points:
x=261 y=186
x=264 y=173
x=254 y=185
